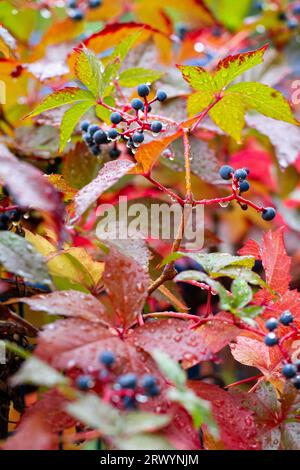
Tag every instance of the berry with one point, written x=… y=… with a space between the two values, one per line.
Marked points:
x=114 y=153
x=138 y=137
x=100 y=137
x=268 y=213
x=107 y=358
x=161 y=95
x=93 y=128
x=148 y=381
x=5 y=191
x=149 y=108
x=292 y=23
x=297 y=364
x=153 y=391
x=289 y=371
x=116 y=118
x=258 y=6
x=84 y=382
x=244 y=186
x=14 y=215
x=95 y=3
x=128 y=381
x=282 y=16
x=296 y=10
x=72 y=4
x=84 y=126
x=143 y=90
x=271 y=339
x=296 y=382
x=244 y=207
x=137 y=104
x=226 y=172
x=156 y=126
x=113 y=134
x=129 y=403
x=271 y=324
x=181 y=31
x=286 y=318
x=87 y=138
x=4 y=222
x=95 y=149
x=240 y=174
x=76 y=14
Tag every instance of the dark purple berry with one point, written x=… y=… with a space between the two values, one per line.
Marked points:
x=129 y=403
x=137 y=104
x=128 y=381
x=14 y=215
x=4 y=222
x=114 y=153
x=296 y=382
x=76 y=14
x=161 y=95
x=268 y=213
x=116 y=118
x=244 y=186
x=107 y=358
x=84 y=126
x=87 y=138
x=84 y=382
x=226 y=172
x=138 y=137
x=148 y=381
x=289 y=371
x=292 y=23
x=100 y=137
x=95 y=149
x=271 y=324
x=286 y=318
x=93 y=128
x=240 y=174
x=143 y=90
x=112 y=134
x=95 y=3
x=271 y=339
x=156 y=126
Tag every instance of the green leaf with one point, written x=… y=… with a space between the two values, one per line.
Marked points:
x=229 y=115
x=229 y=16
x=240 y=272
x=61 y=97
x=70 y=119
x=242 y=293
x=145 y=441
x=171 y=369
x=234 y=65
x=18 y=256
x=214 y=262
x=104 y=113
x=197 y=102
x=139 y=422
x=88 y=69
x=264 y=99
x=37 y=372
x=134 y=76
x=199 y=78
x=251 y=312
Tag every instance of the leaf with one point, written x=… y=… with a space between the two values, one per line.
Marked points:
x=265 y=100
x=18 y=256
x=80 y=166
x=61 y=97
x=241 y=292
x=251 y=248
x=134 y=76
x=232 y=18
x=235 y=423
x=126 y=283
x=30 y=188
x=214 y=262
x=88 y=69
x=70 y=120
x=170 y=368
x=37 y=372
x=107 y=177
x=228 y=114
x=8 y=44
x=276 y=262
x=139 y=422
x=69 y=304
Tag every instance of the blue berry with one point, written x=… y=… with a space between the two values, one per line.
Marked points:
x=112 y=133
x=95 y=3
x=268 y=213
x=289 y=371
x=4 y=222
x=226 y=172
x=116 y=118
x=296 y=382
x=138 y=137
x=14 y=215
x=143 y=90
x=244 y=186
x=282 y=16
x=129 y=403
x=72 y=3
x=240 y=174
x=156 y=126
x=114 y=153
x=84 y=126
x=148 y=381
x=95 y=149
x=161 y=95
x=258 y=6
x=296 y=9
x=137 y=104
x=271 y=324
x=128 y=381
x=286 y=318
x=93 y=128
x=107 y=358
x=292 y=23
x=100 y=137
x=271 y=339
x=153 y=391
x=84 y=382
x=87 y=138
x=76 y=14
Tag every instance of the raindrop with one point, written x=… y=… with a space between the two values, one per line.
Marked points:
x=224 y=203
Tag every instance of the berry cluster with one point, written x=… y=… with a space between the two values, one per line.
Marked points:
x=10 y=215
x=77 y=8
x=241 y=185
x=125 y=126
x=289 y=370
x=289 y=17
x=125 y=391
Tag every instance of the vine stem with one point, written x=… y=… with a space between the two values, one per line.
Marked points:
x=244 y=381
x=204 y=113
x=187 y=164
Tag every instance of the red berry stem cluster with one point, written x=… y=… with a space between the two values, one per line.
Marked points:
x=290 y=369
x=125 y=392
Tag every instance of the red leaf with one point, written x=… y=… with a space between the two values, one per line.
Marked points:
x=69 y=304
x=107 y=177
x=252 y=248
x=30 y=188
x=235 y=422
x=217 y=334
x=275 y=260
